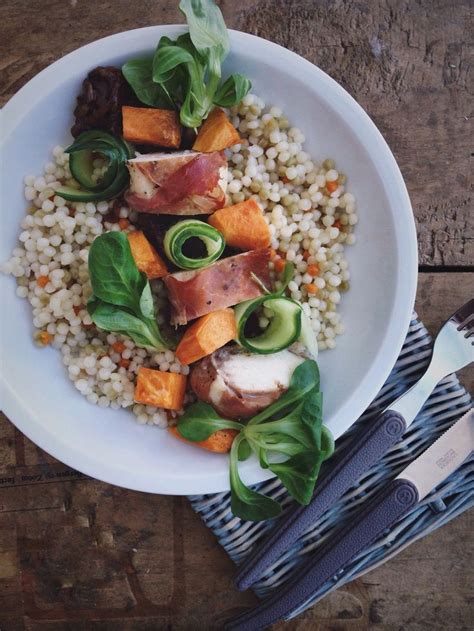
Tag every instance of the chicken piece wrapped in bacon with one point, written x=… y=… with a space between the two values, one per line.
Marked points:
x=184 y=183
x=223 y=284
x=239 y=384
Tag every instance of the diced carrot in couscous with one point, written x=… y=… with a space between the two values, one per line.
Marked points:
x=119 y=347
x=44 y=338
x=313 y=270
x=146 y=257
x=332 y=186
x=279 y=265
x=161 y=389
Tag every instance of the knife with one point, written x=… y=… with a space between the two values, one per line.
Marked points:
x=453 y=349
x=410 y=487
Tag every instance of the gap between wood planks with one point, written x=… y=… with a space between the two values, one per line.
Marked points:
x=443 y=269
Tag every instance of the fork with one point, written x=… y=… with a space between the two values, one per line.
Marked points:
x=453 y=349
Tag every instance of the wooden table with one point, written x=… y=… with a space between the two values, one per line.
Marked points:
x=77 y=554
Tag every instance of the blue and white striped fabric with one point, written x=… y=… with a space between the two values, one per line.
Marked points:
x=447 y=403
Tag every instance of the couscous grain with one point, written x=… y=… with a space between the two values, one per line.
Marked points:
x=310 y=215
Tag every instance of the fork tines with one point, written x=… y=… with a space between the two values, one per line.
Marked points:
x=464 y=318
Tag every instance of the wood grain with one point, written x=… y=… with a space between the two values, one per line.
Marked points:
x=405 y=61
x=80 y=555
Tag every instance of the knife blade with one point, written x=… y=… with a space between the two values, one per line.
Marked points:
x=398 y=497
x=443 y=457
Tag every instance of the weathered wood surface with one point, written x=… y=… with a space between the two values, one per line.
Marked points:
x=405 y=61
x=80 y=555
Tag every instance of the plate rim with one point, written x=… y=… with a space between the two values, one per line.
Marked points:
x=16 y=408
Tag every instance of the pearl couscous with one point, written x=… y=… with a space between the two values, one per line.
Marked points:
x=310 y=215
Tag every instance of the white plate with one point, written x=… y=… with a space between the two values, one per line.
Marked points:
x=106 y=444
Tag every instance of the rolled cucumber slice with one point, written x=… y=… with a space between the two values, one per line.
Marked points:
x=307 y=335
x=284 y=328
x=81 y=195
x=177 y=236
x=289 y=324
x=115 y=179
x=81 y=165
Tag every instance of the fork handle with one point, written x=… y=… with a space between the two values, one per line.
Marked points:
x=380 y=513
x=360 y=454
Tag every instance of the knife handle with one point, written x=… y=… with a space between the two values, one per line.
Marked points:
x=367 y=447
x=364 y=527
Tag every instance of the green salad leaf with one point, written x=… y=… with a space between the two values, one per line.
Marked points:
x=244 y=451
x=166 y=61
x=122 y=301
x=246 y=503
x=115 y=278
x=232 y=91
x=143 y=331
x=147 y=307
x=304 y=379
x=281 y=434
x=139 y=74
x=185 y=73
x=206 y=27
x=291 y=428
x=200 y=420
x=288 y=273
x=312 y=416
x=299 y=474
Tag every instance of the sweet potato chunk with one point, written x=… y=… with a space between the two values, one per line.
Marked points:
x=146 y=257
x=242 y=225
x=162 y=389
x=219 y=442
x=206 y=335
x=149 y=126
x=217 y=133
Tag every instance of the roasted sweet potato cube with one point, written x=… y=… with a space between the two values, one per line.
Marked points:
x=162 y=389
x=150 y=126
x=217 y=133
x=243 y=225
x=219 y=442
x=206 y=335
x=146 y=257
